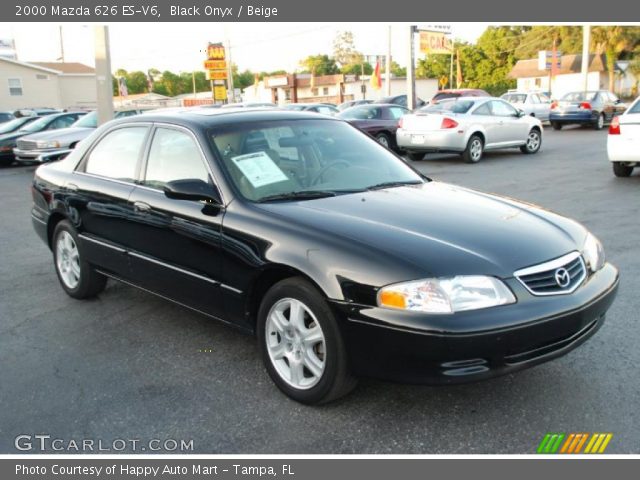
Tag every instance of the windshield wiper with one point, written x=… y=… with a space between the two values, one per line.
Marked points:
x=380 y=186
x=300 y=195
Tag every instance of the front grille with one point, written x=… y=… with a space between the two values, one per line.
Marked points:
x=27 y=144
x=556 y=277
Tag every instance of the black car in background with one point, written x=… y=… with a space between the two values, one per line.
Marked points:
x=353 y=103
x=400 y=100
x=592 y=108
x=378 y=120
x=323 y=108
x=338 y=255
x=54 y=121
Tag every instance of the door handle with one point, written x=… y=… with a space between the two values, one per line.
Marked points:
x=141 y=207
x=72 y=187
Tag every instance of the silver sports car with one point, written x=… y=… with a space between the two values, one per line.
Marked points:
x=469 y=126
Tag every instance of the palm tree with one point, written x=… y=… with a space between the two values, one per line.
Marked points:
x=613 y=41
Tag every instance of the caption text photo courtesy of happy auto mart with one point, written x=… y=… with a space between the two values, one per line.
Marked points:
x=155 y=471
x=142 y=11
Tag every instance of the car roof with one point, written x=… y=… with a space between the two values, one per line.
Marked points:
x=206 y=118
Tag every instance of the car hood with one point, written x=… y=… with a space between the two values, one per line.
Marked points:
x=63 y=135
x=439 y=228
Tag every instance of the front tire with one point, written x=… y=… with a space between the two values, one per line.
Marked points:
x=77 y=277
x=621 y=170
x=473 y=152
x=534 y=142
x=301 y=345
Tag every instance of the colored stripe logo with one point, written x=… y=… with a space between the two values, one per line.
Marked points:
x=574 y=443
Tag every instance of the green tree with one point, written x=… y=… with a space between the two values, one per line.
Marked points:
x=358 y=69
x=344 y=51
x=616 y=42
x=319 y=65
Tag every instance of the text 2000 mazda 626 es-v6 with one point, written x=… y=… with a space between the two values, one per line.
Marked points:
x=339 y=256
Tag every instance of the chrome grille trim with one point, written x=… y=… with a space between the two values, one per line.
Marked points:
x=539 y=279
x=26 y=144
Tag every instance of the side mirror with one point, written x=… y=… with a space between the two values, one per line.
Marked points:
x=192 y=189
x=520 y=113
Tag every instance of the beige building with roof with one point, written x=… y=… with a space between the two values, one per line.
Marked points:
x=46 y=84
x=568 y=78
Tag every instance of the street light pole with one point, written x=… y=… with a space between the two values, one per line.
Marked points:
x=104 y=85
x=387 y=64
x=411 y=74
x=586 y=39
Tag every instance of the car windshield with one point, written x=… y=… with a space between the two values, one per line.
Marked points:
x=579 y=96
x=360 y=112
x=515 y=97
x=635 y=108
x=14 y=124
x=444 y=95
x=90 y=120
x=303 y=159
x=37 y=125
x=451 y=106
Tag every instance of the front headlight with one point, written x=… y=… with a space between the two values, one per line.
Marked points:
x=593 y=253
x=446 y=295
x=44 y=144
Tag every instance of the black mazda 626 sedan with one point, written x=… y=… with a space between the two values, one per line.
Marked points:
x=341 y=258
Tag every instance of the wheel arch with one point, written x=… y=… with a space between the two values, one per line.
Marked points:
x=55 y=218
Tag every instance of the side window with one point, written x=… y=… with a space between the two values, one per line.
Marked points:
x=503 y=109
x=483 y=109
x=534 y=99
x=402 y=101
x=62 y=122
x=116 y=154
x=397 y=112
x=325 y=110
x=174 y=155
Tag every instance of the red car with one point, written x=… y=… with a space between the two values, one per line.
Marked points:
x=460 y=92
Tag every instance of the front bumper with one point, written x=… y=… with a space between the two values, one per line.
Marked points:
x=449 y=140
x=475 y=345
x=39 y=156
x=586 y=117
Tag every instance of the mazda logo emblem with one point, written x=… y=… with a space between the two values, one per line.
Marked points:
x=562 y=277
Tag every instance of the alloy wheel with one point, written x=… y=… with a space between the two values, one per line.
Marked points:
x=476 y=149
x=295 y=343
x=533 y=141
x=68 y=260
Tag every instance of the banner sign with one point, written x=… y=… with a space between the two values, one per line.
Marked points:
x=435 y=42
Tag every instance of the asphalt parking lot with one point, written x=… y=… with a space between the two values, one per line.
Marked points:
x=129 y=365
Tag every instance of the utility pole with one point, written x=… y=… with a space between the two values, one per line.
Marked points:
x=104 y=85
x=61 y=45
x=387 y=64
x=411 y=73
x=230 y=71
x=586 y=39
x=193 y=79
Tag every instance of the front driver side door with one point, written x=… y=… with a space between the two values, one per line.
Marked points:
x=177 y=248
x=512 y=129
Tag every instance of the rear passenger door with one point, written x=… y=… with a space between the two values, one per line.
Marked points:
x=176 y=246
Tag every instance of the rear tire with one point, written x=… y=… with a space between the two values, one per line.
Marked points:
x=384 y=140
x=534 y=142
x=415 y=156
x=599 y=122
x=77 y=277
x=473 y=152
x=621 y=170
x=5 y=162
x=556 y=125
x=303 y=352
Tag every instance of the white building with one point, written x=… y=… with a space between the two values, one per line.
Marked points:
x=46 y=84
x=568 y=78
x=302 y=88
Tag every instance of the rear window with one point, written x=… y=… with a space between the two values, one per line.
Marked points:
x=579 y=96
x=443 y=95
x=451 y=106
x=515 y=97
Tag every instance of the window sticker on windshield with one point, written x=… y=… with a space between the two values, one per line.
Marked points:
x=259 y=169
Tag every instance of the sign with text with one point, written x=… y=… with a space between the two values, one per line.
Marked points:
x=217 y=75
x=215 y=64
x=435 y=42
x=220 y=92
x=215 y=51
